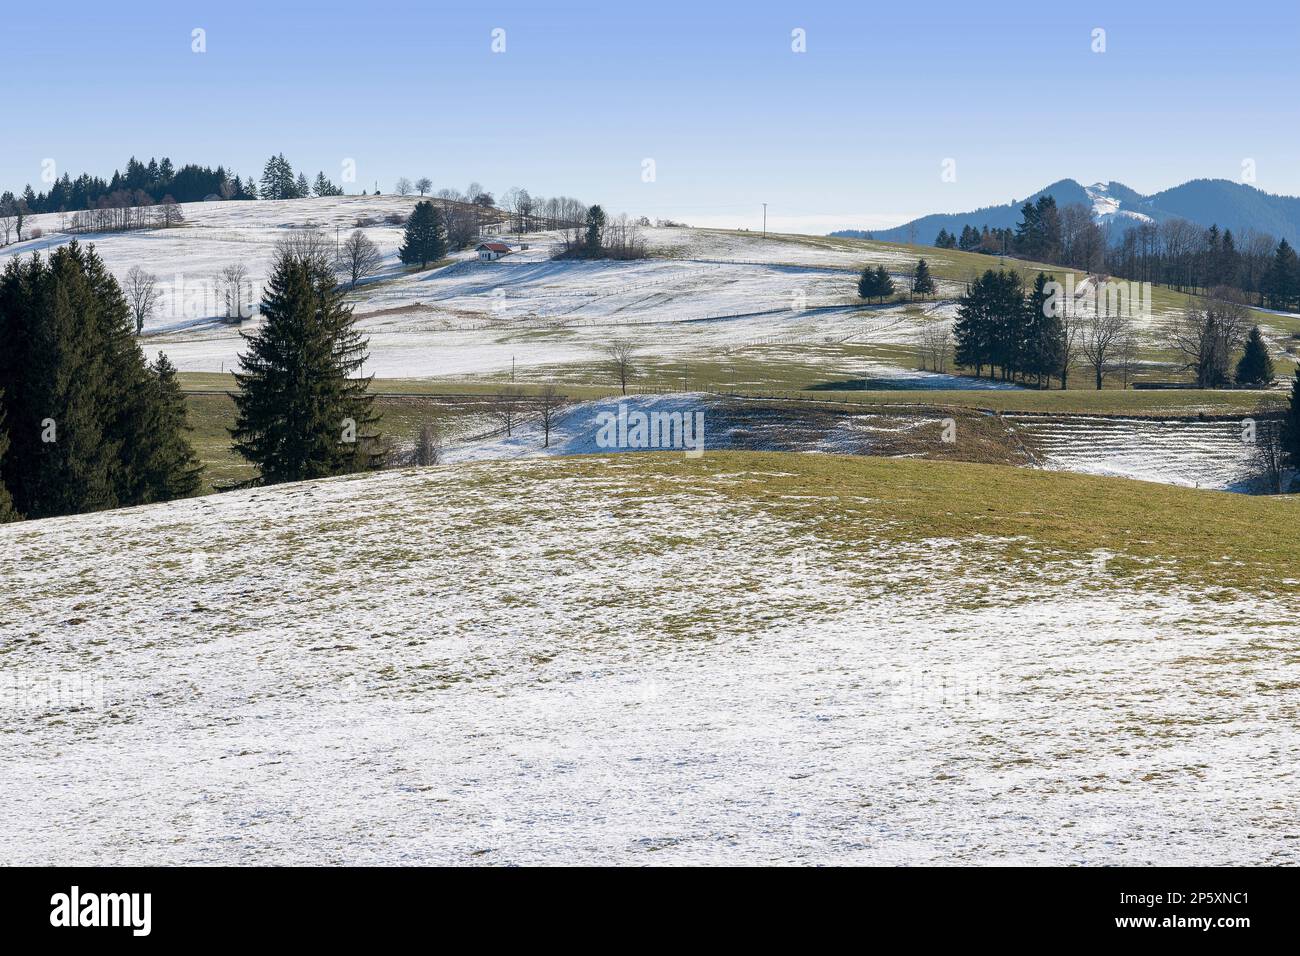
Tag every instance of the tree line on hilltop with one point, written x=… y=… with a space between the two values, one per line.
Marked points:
x=1175 y=252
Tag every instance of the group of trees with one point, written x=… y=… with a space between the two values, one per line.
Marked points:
x=1208 y=336
x=876 y=283
x=1009 y=332
x=280 y=182
x=120 y=211
x=147 y=196
x=1036 y=335
x=602 y=237
x=155 y=179
x=992 y=241
x=85 y=422
x=1175 y=252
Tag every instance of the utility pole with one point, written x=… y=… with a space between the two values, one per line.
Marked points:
x=764 y=220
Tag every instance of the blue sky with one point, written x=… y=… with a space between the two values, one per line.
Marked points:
x=851 y=132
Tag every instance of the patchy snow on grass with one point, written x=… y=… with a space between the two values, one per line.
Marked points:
x=1195 y=454
x=527 y=663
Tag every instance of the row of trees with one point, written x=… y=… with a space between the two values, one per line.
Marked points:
x=85 y=422
x=1175 y=252
x=876 y=283
x=1035 y=335
x=156 y=179
x=1012 y=334
x=156 y=182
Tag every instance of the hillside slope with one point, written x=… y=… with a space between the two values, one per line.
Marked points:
x=740 y=658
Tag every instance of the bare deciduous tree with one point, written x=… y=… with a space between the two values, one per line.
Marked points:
x=359 y=258
x=1207 y=336
x=549 y=403
x=424 y=184
x=507 y=408
x=403 y=187
x=935 y=346
x=307 y=245
x=1268 y=456
x=620 y=356
x=8 y=214
x=169 y=213
x=1102 y=338
x=236 y=290
x=141 y=290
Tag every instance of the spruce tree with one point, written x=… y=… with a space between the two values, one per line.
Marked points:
x=278 y=180
x=301 y=188
x=302 y=412
x=425 y=239
x=1281 y=283
x=1043 y=345
x=595 y=230
x=166 y=466
x=80 y=404
x=922 y=281
x=884 y=285
x=61 y=397
x=1255 y=366
x=1291 y=424
x=867 y=283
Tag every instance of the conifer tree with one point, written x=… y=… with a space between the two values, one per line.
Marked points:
x=595 y=230
x=1041 y=351
x=1255 y=366
x=1281 y=283
x=80 y=404
x=301 y=188
x=425 y=239
x=166 y=467
x=884 y=285
x=60 y=396
x=277 y=179
x=1291 y=424
x=922 y=281
x=867 y=283
x=302 y=411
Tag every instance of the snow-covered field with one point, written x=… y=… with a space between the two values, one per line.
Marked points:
x=705 y=294
x=527 y=663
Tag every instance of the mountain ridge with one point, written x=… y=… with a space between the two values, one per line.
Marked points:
x=1204 y=202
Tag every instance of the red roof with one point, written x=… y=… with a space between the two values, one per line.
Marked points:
x=494 y=246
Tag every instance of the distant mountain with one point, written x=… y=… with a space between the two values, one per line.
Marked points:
x=1205 y=202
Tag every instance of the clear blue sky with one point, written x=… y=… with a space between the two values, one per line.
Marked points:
x=851 y=132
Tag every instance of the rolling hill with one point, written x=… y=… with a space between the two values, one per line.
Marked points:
x=741 y=658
